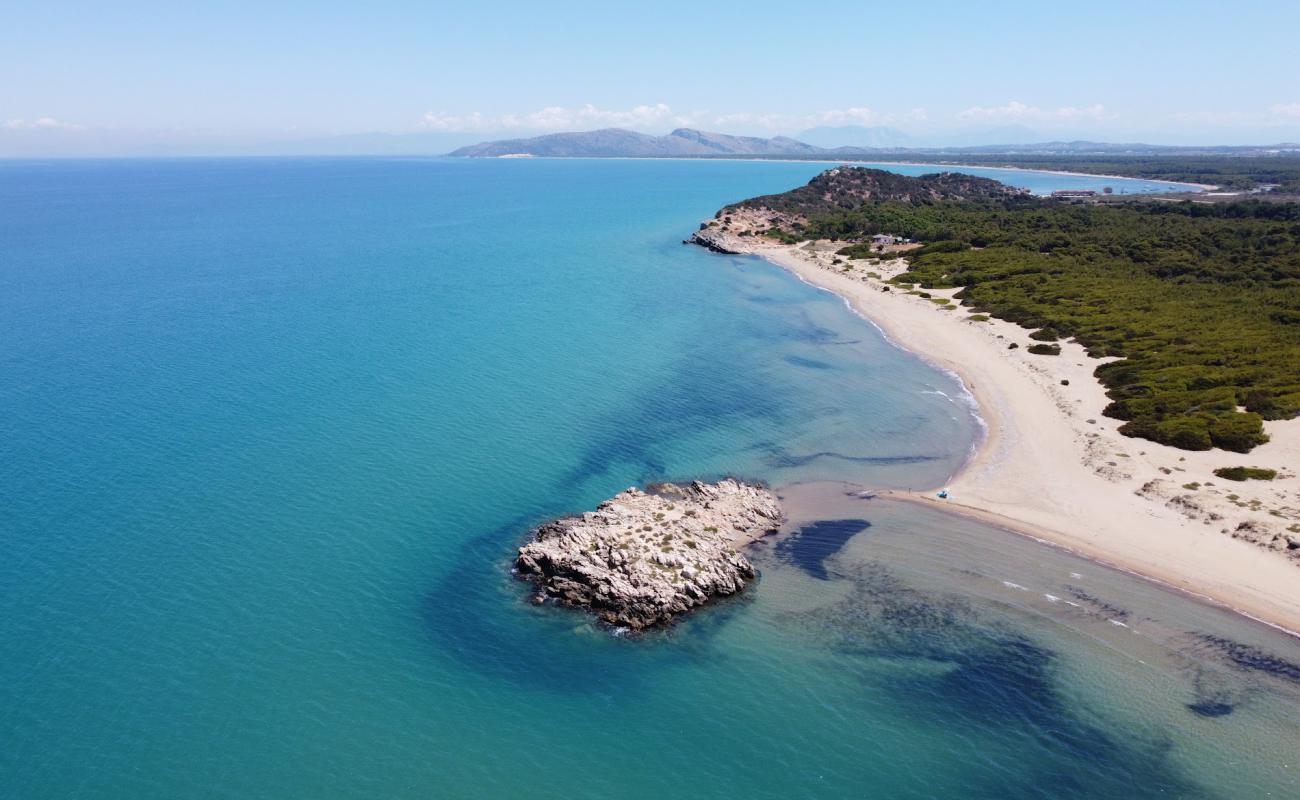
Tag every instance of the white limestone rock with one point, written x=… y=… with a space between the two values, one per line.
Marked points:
x=642 y=558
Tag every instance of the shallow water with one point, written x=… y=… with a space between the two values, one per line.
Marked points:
x=272 y=429
x=1119 y=686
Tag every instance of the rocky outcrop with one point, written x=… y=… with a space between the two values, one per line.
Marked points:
x=641 y=558
x=847 y=188
x=1267 y=536
x=713 y=239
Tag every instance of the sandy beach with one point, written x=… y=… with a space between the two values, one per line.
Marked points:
x=1052 y=467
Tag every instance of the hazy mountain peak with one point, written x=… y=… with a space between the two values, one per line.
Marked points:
x=613 y=142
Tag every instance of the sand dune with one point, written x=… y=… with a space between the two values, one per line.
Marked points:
x=1053 y=467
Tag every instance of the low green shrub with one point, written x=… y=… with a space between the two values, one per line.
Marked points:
x=1237 y=432
x=946 y=246
x=1246 y=473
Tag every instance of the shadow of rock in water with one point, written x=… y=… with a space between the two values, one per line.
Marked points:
x=810 y=546
x=1248 y=657
x=942 y=662
x=1215 y=693
x=1211 y=709
x=809 y=363
x=1096 y=606
x=697 y=399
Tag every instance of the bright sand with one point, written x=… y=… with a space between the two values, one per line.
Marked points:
x=1052 y=467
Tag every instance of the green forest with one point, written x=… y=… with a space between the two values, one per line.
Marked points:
x=1200 y=302
x=1226 y=172
x=1230 y=172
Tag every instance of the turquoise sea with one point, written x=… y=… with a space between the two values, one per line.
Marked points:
x=271 y=430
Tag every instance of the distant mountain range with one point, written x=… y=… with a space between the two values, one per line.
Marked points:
x=616 y=142
x=688 y=142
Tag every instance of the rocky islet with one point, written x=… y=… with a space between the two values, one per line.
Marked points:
x=644 y=557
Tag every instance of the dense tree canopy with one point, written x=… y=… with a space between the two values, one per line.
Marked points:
x=1223 y=170
x=1200 y=302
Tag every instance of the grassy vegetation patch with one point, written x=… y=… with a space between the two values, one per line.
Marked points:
x=1246 y=473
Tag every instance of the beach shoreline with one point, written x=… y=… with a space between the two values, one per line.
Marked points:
x=1045 y=538
x=1050 y=467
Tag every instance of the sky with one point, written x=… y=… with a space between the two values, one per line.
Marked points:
x=136 y=77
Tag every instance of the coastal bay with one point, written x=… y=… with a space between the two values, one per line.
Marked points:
x=1053 y=467
x=643 y=402
x=276 y=427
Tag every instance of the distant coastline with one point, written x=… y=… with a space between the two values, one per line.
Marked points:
x=1205 y=187
x=939 y=167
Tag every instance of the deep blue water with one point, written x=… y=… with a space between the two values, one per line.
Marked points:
x=270 y=431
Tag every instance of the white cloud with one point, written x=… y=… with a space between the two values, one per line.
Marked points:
x=41 y=123
x=1015 y=111
x=452 y=122
x=867 y=116
x=744 y=119
x=1216 y=118
x=556 y=118
x=1279 y=115
x=658 y=117
x=797 y=122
